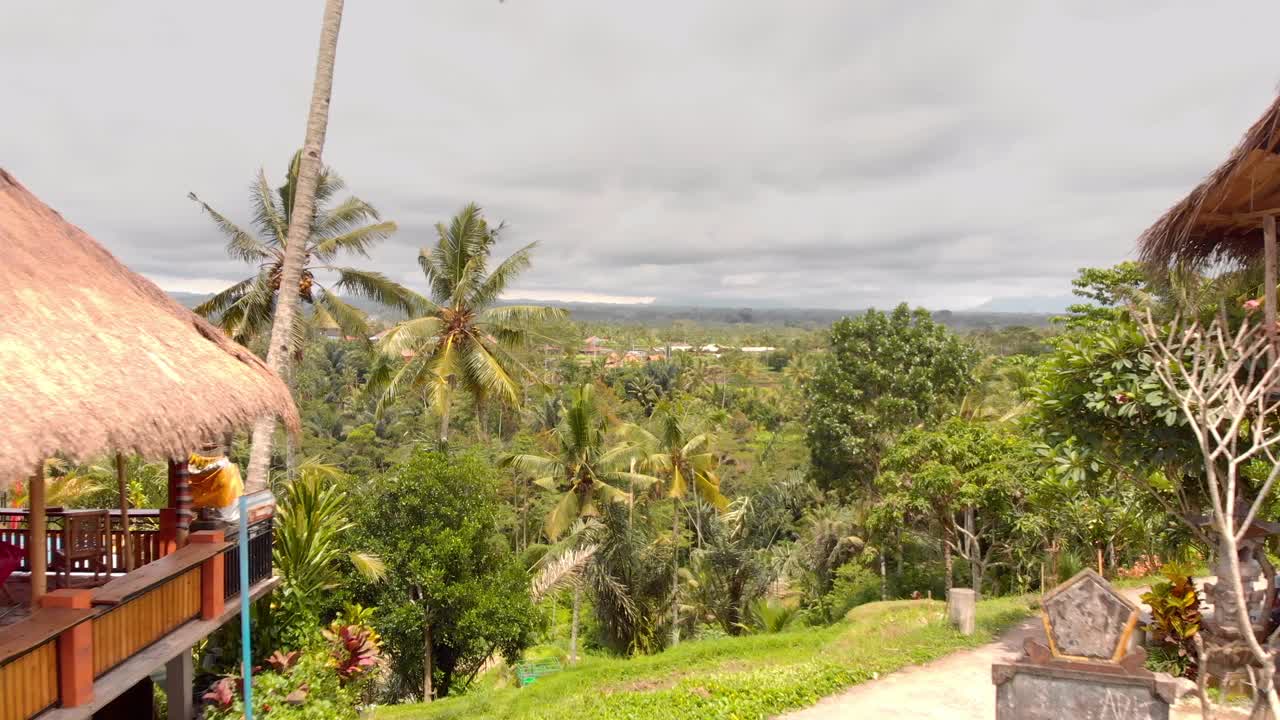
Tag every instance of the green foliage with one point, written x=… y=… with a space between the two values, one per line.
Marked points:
x=1107 y=289
x=855 y=585
x=433 y=522
x=885 y=372
x=753 y=676
x=310 y=553
x=770 y=615
x=304 y=687
x=931 y=477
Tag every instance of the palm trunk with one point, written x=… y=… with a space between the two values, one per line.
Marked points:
x=278 y=352
x=675 y=573
x=446 y=410
x=573 y=630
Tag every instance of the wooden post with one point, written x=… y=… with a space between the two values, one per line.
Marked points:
x=179 y=676
x=75 y=649
x=212 y=576
x=126 y=542
x=37 y=545
x=1269 y=273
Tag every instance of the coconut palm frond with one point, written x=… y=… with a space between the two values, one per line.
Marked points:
x=267 y=216
x=241 y=245
x=563 y=571
x=350 y=320
x=378 y=288
x=357 y=240
x=500 y=277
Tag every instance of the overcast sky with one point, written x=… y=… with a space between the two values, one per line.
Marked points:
x=811 y=154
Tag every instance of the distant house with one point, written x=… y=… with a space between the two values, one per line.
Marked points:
x=332 y=333
x=758 y=349
x=678 y=347
x=594 y=346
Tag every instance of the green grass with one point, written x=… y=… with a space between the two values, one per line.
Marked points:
x=733 y=678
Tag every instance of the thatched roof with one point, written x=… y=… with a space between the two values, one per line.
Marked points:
x=1220 y=220
x=95 y=358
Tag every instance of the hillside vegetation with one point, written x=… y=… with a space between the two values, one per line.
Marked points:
x=735 y=678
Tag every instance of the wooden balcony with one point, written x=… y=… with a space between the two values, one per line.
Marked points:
x=83 y=646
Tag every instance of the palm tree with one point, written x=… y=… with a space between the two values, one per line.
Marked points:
x=300 y=216
x=245 y=310
x=581 y=468
x=678 y=452
x=460 y=337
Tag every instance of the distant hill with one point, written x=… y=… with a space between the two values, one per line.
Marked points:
x=660 y=315
x=1051 y=304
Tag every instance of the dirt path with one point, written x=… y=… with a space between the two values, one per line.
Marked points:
x=956 y=687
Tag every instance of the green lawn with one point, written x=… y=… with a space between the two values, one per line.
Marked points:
x=733 y=678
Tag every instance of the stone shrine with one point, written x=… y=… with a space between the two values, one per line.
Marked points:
x=1090 y=669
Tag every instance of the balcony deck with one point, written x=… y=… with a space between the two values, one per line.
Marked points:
x=129 y=624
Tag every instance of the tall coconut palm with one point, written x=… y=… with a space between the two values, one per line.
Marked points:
x=583 y=468
x=678 y=452
x=300 y=217
x=245 y=310
x=460 y=337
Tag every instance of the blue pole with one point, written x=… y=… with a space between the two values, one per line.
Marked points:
x=246 y=650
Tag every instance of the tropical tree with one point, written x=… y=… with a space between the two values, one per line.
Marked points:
x=455 y=593
x=678 y=452
x=582 y=467
x=964 y=481
x=351 y=226
x=886 y=372
x=460 y=337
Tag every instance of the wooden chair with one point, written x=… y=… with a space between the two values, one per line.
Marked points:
x=84 y=542
x=10 y=559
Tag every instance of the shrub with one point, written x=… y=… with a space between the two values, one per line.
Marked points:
x=772 y=615
x=1175 y=621
x=305 y=687
x=855 y=585
x=325 y=682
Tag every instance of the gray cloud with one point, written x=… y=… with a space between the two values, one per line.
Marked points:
x=728 y=151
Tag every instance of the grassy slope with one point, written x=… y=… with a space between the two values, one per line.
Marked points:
x=733 y=678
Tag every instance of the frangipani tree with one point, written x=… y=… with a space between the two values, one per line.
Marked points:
x=1225 y=382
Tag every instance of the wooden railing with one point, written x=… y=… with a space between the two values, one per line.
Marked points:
x=144 y=536
x=144 y=619
x=77 y=636
x=261 y=539
x=29 y=682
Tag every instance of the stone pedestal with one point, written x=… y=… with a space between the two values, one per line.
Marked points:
x=962 y=609
x=1052 y=692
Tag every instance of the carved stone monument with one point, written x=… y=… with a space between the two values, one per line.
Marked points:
x=1089 y=669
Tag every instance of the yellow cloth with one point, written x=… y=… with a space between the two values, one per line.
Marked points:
x=215 y=481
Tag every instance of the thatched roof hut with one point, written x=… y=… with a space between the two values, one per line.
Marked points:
x=1221 y=221
x=96 y=358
